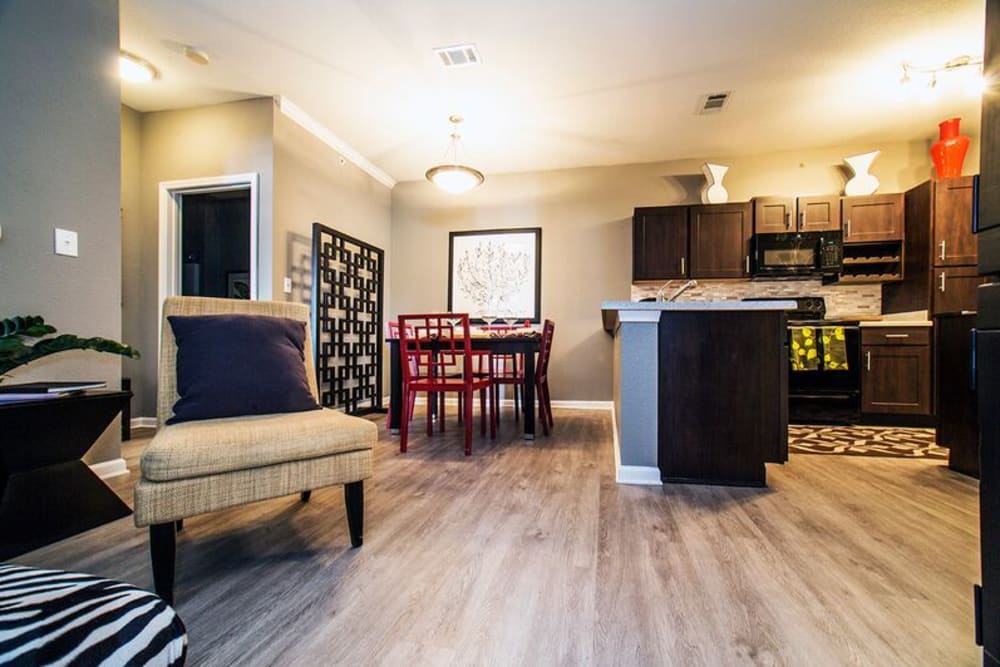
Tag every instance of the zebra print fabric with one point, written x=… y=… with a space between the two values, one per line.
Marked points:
x=51 y=617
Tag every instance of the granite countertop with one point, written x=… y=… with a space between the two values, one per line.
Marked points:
x=897 y=323
x=649 y=311
x=697 y=305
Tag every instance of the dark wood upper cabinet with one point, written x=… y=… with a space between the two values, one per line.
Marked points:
x=773 y=215
x=720 y=240
x=872 y=218
x=955 y=288
x=954 y=242
x=660 y=243
x=782 y=215
x=819 y=214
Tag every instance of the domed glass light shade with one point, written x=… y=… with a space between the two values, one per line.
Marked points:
x=453 y=177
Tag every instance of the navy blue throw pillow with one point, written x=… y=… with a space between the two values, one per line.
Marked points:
x=232 y=365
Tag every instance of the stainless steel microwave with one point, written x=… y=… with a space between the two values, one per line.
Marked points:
x=804 y=254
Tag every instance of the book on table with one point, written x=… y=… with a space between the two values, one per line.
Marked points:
x=40 y=389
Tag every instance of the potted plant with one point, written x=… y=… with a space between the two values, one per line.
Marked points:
x=26 y=338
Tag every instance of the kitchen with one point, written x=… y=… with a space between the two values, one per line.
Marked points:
x=863 y=280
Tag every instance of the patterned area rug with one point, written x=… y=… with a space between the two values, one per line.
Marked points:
x=907 y=443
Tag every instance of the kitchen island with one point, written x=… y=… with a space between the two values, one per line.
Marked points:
x=700 y=390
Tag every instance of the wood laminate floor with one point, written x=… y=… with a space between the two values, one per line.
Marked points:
x=531 y=554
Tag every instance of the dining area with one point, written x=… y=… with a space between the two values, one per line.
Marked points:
x=460 y=364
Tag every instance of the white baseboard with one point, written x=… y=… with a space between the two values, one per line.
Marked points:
x=585 y=405
x=142 y=422
x=641 y=475
x=111 y=468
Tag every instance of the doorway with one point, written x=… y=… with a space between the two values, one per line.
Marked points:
x=208 y=237
x=215 y=244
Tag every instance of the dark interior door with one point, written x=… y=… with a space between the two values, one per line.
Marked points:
x=216 y=244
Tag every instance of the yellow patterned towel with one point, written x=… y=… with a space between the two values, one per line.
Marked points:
x=804 y=356
x=834 y=349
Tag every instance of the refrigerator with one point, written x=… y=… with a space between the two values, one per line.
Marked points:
x=986 y=347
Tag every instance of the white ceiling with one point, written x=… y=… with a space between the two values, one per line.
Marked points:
x=565 y=83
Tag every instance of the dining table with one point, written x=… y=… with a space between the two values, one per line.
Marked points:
x=524 y=342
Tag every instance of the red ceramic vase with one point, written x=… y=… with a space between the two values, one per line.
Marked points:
x=948 y=152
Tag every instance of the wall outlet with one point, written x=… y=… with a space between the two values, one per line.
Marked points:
x=288 y=285
x=66 y=243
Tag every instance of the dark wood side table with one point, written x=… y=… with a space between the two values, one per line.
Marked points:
x=46 y=492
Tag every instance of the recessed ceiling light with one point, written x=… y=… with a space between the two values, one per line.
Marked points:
x=460 y=55
x=196 y=55
x=133 y=68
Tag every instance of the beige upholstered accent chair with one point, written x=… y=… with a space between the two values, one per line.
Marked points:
x=195 y=467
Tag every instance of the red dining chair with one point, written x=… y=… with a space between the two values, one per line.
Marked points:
x=507 y=369
x=437 y=358
x=542 y=377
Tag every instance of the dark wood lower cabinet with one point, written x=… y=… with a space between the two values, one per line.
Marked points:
x=957 y=414
x=896 y=379
x=955 y=288
x=723 y=396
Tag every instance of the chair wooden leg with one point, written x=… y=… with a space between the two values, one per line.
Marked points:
x=431 y=400
x=440 y=414
x=306 y=495
x=467 y=400
x=162 y=550
x=404 y=422
x=548 y=404
x=354 y=500
x=482 y=411
x=459 y=396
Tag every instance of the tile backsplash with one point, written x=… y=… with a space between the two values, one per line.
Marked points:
x=841 y=300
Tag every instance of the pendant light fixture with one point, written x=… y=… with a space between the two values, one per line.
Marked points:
x=451 y=176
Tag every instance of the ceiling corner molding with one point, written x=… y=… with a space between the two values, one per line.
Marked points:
x=324 y=134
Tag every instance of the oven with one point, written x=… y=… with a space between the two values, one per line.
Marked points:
x=805 y=254
x=825 y=395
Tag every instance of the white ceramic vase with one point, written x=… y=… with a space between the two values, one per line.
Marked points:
x=714 y=192
x=862 y=183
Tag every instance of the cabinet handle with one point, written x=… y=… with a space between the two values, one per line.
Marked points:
x=942 y=249
x=682 y=265
x=868 y=360
x=748 y=264
x=943 y=278
x=847 y=228
x=897 y=335
x=788 y=219
x=802 y=220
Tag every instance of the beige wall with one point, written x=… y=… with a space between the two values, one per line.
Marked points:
x=301 y=182
x=585 y=216
x=60 y=168
x=231 y=138
x=312 y=185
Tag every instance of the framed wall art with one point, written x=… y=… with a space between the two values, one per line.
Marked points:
x=497 y=273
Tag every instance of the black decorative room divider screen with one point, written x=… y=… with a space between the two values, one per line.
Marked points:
x=347 y=276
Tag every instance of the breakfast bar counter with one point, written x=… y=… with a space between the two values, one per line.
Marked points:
x=700 y=390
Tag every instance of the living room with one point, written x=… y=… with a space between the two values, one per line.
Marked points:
x=527 y=551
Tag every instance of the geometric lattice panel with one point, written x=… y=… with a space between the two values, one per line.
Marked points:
x=347 y=276
x=906 y=443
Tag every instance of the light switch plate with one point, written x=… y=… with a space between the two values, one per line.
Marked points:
x=66 y=243
x=288 y=285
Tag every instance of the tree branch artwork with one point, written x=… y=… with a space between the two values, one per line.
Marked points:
x=490 y=275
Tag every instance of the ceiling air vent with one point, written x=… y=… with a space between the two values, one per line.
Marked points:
x=713 y=102
x=459 y=55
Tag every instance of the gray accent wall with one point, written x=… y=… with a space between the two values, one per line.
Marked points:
x=233 y=138
x=60 y=168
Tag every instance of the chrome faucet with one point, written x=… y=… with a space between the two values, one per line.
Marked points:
x=680 y=290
